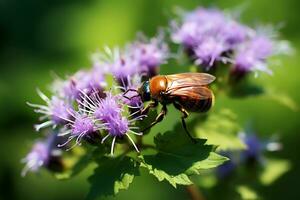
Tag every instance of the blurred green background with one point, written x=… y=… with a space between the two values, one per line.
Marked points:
x=38 y=37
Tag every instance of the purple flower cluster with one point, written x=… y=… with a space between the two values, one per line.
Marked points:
x=81 y=109
x=54 y=112
x=211 y=36
x=86 y=81
x=109 y=112
x=141 y=57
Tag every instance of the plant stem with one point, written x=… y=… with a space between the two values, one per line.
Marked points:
x=194 y=192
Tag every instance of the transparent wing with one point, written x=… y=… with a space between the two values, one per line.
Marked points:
x=188 y=82
x=192 y=92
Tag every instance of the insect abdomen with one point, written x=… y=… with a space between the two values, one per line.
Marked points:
x=197 y=105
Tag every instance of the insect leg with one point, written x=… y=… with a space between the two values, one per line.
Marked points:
x=150 y=105
x=185 y=114
x=159 y=117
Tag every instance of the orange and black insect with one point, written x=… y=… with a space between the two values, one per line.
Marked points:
x=188 y=92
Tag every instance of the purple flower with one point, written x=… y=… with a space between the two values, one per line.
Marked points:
x=81 y=125
x=55 y=111
x=208 y=34
x=251 y=56
x=143 y=56
x=41 y=154
x=110 y=112
x=89 y=81
x=186 y=34
x=196 y=25
x=235 y=33
x=83 y=81
x=210 y=51
x=118 y=63
x=37 y=157
x=149 y=54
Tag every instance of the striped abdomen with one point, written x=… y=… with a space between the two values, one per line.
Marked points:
x=196 y=104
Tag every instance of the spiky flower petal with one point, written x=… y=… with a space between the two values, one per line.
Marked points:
x=55 y=111
x=110 y=111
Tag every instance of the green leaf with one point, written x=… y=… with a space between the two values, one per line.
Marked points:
x=178 y=158
x=181 y=179
x=274 y=168
x=221 y=129
x=111 y=176
x=247 y=193
x=282 y=99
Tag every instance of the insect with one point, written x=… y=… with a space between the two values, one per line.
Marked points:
x=188 y=92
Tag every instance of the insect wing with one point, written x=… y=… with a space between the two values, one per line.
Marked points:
x=189 y=83
x=189 y=79
x=192 y=92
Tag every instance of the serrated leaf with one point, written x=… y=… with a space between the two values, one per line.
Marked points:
x=274 y=168
x=181 y=179
x=111 y=176
x=221 y=129
x=178 y=158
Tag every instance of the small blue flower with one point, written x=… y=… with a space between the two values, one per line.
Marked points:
x=253 y=154
x=254 y=146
